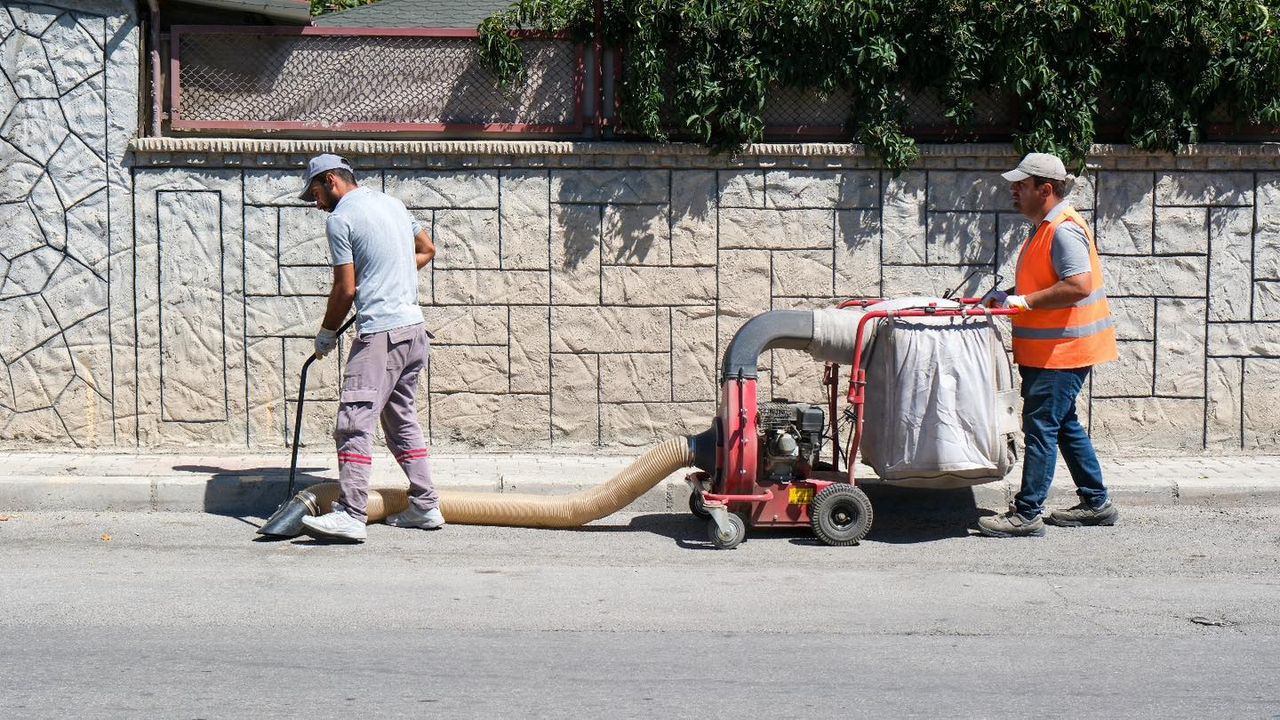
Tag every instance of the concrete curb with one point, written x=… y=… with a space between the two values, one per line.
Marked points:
x=254 y=486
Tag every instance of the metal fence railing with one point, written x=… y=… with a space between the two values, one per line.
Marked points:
x=431 y=80
x=386 y=80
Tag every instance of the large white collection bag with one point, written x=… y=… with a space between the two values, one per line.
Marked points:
x=940 y=407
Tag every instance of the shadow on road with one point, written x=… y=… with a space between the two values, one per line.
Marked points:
x=250 y=492
x=908 y=515
x=902 y=516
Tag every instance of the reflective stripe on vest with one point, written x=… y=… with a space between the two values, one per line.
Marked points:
x=1093 y=297
x=1058 y=333
x=1079 y=335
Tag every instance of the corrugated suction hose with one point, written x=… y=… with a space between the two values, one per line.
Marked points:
x=535 y=511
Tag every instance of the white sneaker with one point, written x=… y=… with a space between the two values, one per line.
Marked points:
x=337 y=525
x=431 y=519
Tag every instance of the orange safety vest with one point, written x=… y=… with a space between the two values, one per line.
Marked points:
x=1081 y=335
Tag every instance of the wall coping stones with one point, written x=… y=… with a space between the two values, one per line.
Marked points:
x=279 y=152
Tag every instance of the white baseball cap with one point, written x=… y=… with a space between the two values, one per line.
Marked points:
x=1041 y=165
x=323 y=163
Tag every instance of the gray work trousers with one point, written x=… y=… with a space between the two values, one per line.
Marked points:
x=379 y=383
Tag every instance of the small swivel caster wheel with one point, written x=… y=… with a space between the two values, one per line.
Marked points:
x=698 y=506
x=736 y=532
x=841 y=514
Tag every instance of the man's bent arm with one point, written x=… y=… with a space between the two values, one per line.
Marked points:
x=341 y=295
x=423 y=249
x=1064 y=293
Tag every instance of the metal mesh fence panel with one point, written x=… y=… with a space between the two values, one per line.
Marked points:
x=332 y=81
x=787 y=109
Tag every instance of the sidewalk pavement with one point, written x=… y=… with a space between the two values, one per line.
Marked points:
x=255 y=484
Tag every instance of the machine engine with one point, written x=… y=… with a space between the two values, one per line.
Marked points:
x=791 y=438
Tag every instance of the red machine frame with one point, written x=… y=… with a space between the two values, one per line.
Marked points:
x=738 y=458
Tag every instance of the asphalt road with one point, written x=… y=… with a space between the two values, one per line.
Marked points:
x=1173 y=613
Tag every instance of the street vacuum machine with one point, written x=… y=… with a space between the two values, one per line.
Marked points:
x=929 y=403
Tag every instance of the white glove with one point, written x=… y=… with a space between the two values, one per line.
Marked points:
x=326 y=341
x=1017 y=302
x=994 y=298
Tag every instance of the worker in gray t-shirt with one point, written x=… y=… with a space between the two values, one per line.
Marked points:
x=377 y=246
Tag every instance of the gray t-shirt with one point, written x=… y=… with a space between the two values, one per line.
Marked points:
x=376 y=232
x=1070 y=246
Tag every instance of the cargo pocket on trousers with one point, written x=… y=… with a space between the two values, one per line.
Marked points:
x=404 y=334
x=355 y=414
x=358 y=395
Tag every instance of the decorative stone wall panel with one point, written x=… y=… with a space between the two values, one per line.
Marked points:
x=1148 y=424
x=857 y=253
x=635 y=377
x=693 y=218
x=65 y=207
x=694 y=361
x=645 y=424
x=1172 y=276
x=526 y=226
x=530 y=345
x=1261 y=392
x=904 y=218
x=961 y=238
x=575 y=255
x=637 y=235
x=1135 y=317
x=1224 y=407
x=1125 y=217
x=776 y=229
x=1266 y=236
x=575 y=398
x=470 y=368
x=1204 y=188
x=1231 y=263
x=611 y=187
x=1131 y=376
x=466 y=238
x=802 y=273
x=1180 y=354
x=440 y=190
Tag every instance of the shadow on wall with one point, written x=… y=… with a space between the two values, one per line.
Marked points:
x=967 y=243
x=255 y=491
x=607 y=217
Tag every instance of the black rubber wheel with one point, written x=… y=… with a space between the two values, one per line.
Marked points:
x=737 y=532
x=841 y=514
x=697 y=506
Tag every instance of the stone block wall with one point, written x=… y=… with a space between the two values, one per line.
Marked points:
x=163 y=292
x=68 y=108
x=583 y=293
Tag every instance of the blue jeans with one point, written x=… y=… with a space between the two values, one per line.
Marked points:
x=1049 y=423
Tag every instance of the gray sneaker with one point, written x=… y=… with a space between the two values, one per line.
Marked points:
x=1083 y=514
x=1010 y=524
x=431 y=519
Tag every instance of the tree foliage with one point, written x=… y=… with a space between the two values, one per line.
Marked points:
x=704 y=68
x=321 y=7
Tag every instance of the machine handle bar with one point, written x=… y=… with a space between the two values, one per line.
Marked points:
x=297 y=421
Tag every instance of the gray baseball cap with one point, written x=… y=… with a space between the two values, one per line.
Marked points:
x=319 y=164
x=1038 y=165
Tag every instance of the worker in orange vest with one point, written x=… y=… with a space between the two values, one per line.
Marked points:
x=1064 y=329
